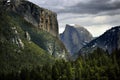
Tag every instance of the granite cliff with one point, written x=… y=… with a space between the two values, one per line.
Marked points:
x=39 y=25
x=41 y=18
x=75 y=37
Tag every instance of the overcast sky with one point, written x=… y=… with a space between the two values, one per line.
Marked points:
x=95 y=15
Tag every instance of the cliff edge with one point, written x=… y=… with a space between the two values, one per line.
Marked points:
x=39 y=17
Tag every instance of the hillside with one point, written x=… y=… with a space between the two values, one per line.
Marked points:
x=23 y=45
x=16 y=52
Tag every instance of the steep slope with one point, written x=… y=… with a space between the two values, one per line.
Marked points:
x=45 y=36
x=43 y=39
x=41 y=18
x=23 y=45
x=109 y=41
x=16 y=50
x=75 y=37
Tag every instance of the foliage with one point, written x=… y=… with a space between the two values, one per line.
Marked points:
x=98 y=65
x=14 y=58
x=40 y=37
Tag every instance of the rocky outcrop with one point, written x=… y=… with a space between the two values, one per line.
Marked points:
x=16 y=38
x=27 y=36
x=38 y=24
x=55 y=49
x=75 y=37
x=16 y=52
x=39 y=17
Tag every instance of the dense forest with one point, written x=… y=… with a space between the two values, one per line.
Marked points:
x=98 y=65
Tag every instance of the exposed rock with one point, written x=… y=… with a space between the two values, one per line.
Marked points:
x=41 y=18
x=27 y=36
x=75 y=37
x=12 y=39
x=56 y=49
x=16 y=39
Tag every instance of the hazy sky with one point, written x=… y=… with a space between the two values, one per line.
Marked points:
x=95 y=15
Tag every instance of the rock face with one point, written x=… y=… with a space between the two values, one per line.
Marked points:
x=75 y=37
x=16 y=51
x=16 y=39
x=109 y=41
x=27 y=36
x=39 y=17
x=40 y=26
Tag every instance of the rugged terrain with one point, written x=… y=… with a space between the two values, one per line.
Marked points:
x=23 y=42
x=75 y=37
x=109 y=41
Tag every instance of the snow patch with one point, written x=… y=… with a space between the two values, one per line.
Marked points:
x=113 y=30
x=94 y=45
x=8 y=1
x=72 y=24
x=81 y=31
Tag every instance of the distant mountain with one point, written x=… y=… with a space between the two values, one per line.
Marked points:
x=75 y=37
x=109 y=41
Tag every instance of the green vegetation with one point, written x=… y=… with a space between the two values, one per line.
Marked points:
x=98 y=65
x=40 y=37
x=12 y=57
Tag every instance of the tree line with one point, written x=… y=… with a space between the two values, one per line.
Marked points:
x=98 y=65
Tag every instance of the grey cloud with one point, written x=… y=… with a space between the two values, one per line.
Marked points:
x=71 y=17
x=93 y=7
x=81 y=6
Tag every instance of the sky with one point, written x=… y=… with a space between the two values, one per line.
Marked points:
x=96 y=16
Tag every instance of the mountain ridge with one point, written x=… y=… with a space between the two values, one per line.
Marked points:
x=109 y=41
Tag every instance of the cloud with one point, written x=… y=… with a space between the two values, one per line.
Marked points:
x=102 y=7
x=108 y=7
x=98 y=29
x=92 y=7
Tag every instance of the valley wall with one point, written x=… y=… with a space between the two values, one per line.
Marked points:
x=41 y=18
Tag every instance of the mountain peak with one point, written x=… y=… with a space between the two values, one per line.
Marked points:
x=75 y=37
x=73 y=25
x=70 y=24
